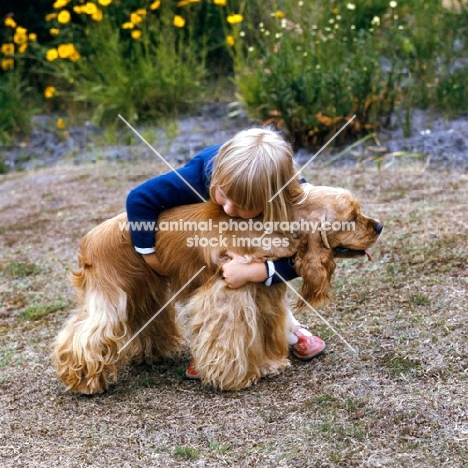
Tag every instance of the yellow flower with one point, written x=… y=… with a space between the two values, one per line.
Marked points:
x=74 y=56
x=279 y=14
x=155 y=5
x=54 y=31
x=220 y=2
x=60 y=123
x=68 y=51
x=51 y=55
x=335 y=11
x=104 y=2
x=90 y=8
x=49 y=92
x=141 y=11
x=182 y=3
x=178 y=22
x=235 y=19
x=22 y=48
x=128 y=25
x=50 y=16
x=65 y=50
x=230 y=40
x=10 y=22
x=8 y=49
x=60 y=3
x=64 y=17
x=136 y=18
x=20 y=36
x=97 y=16
x=32 y=37
x=7 y=63
x=136 y=34
x=78 y=9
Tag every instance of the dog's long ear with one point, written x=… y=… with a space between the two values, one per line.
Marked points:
x=315 y=264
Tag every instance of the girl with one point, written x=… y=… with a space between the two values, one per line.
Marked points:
x=242 y=176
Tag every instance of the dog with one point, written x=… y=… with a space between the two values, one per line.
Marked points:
x=127 y=311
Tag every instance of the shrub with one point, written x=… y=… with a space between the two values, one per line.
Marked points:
x=143 y=67
x=15 y=114
x=311 y=70
x=309 y=66
x=452 y=94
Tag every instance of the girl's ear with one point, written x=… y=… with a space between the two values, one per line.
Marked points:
x=315 y=264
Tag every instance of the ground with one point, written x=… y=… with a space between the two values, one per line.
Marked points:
x=400 y=401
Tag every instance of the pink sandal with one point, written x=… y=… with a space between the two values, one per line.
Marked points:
x=308 y=346
x=191 y=372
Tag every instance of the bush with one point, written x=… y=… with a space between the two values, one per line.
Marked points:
x=452 y=94
x=309 y=66
x=312 y=70
x=15 y=113
x=141 y=64
x=28 y=14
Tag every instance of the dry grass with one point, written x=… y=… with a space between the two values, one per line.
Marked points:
x=401 y=402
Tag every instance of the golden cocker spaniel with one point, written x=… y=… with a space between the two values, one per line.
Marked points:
x=236 y=336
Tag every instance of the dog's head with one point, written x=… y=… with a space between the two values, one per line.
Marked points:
x=332 y=225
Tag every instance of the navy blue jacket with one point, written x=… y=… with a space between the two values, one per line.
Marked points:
x=187 y=185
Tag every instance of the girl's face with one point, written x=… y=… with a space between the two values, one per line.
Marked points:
x=231 y=209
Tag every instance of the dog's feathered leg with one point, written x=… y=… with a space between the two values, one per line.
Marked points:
x=237 y=336
x=85 y=353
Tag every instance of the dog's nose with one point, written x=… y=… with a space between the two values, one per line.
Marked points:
x=378 y=228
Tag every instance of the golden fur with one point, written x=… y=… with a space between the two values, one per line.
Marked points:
x=236 y=335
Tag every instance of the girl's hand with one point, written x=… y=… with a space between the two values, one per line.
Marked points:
x=237 y=274
x=153 y=261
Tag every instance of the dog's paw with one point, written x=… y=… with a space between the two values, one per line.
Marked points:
x=250 y=380
x=87 y=387
x=275 y=368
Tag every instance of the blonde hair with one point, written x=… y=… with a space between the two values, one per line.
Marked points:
x=252 y=167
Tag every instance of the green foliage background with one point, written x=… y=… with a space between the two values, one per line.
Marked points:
x=307 y=66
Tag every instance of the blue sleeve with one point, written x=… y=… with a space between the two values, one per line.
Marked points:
x=285 y=267
x=187 y=185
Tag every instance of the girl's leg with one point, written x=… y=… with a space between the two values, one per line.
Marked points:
x=303 y=344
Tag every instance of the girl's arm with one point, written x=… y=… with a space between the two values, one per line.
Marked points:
x=237 y=274
x=285 y=267
x=153 y=261
x=187 y=185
